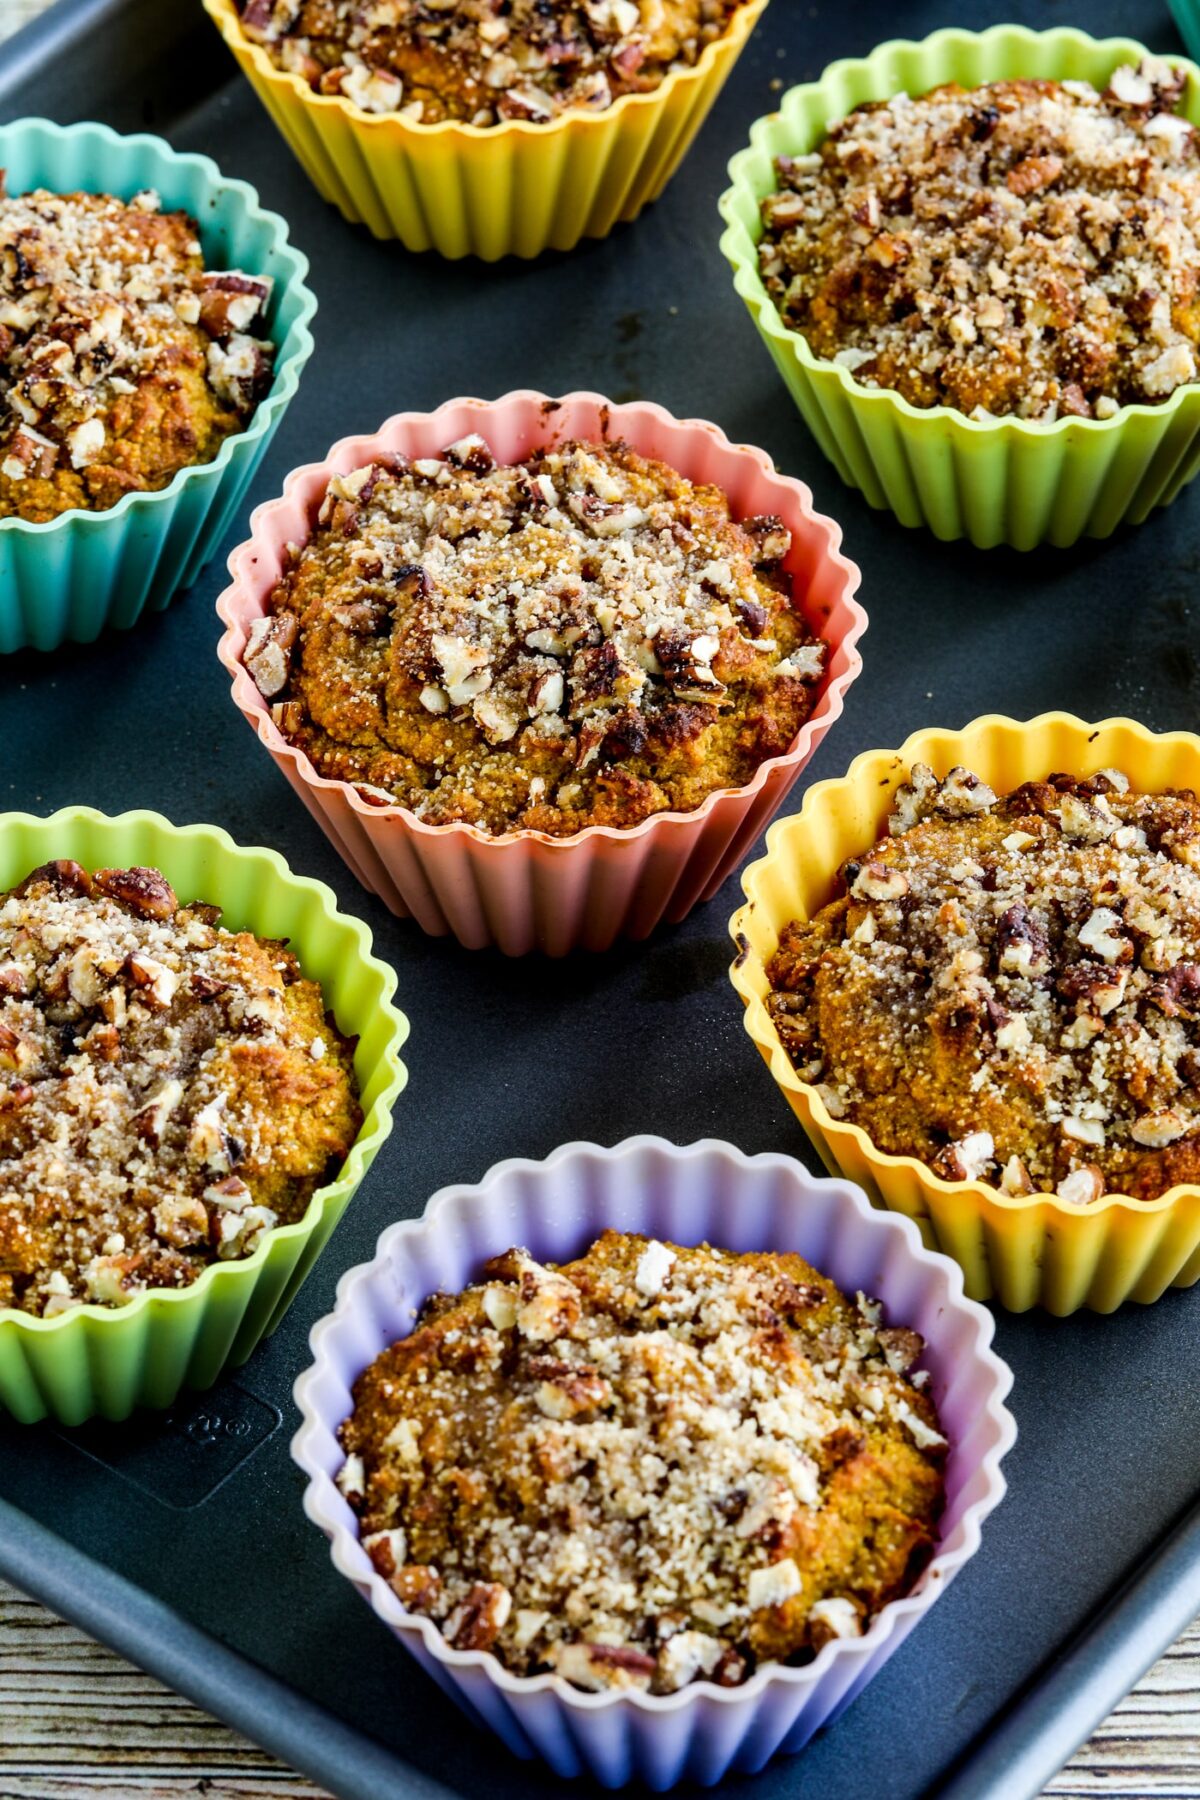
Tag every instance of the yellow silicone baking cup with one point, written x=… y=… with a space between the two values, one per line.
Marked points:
x=1035 y=1251
x=490 y=191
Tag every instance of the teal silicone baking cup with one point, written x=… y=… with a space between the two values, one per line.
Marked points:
x=68 y=579
x=98 y=1360
x=1186 y=14
x=994 y=481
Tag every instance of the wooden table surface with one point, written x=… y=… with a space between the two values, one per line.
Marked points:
x=78 y=1723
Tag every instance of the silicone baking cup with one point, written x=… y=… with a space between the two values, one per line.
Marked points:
x=524 y=890
x=994 y=481
x=711 y=1193
x=1186 y=14
x=105 y=1360
x=69 y=578
x=508 y=189
x=1026 y=1252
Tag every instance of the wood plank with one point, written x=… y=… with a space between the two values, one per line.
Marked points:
x=67 y=1704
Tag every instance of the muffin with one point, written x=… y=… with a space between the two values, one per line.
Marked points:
x=1008 y=988
x=123 y=359
x=1023 y=248
x=581 y=638
x=210 y=1093
x=648 y=1466
x=481 y=62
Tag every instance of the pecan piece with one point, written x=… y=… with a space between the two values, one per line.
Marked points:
x=597 y=1667
x=1033 y=173
x=966 y=1160
x=64 y=877
x=771 y=538
x=154 y=981
x=901 y=1347
x=471 y=453
x=16 y=1052
x=754 y=617
x=141 y=891
x=567 y=1390
x=1178 y=994
x=268 y=652
x=288 y=715
x=28 y=453
x=477 y=1622
x=231 y=301
x=1024 y=948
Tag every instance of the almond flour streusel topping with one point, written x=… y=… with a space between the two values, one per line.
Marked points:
x=1009 y=987
x=122 y=359
x=1028 y=247
x=169 y=1090
x=584 y=638
x=484 y=61
x=649 y=1466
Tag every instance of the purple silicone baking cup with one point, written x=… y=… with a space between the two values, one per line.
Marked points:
x=706 y=1192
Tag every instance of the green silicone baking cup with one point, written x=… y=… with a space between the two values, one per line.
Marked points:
x=71 y=577
x=996 y=481
x=97 y=1360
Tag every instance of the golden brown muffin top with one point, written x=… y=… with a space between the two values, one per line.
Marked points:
x=649 y=1466
x=1009 y=987
x=484 y=61
x=169 y=1090
x=122 y=359
x=583 y=638
x=1027 y=247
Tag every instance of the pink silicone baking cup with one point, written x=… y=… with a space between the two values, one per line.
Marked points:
x=524 y=890
x=706 y=1192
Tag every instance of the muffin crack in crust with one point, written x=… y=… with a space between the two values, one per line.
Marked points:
x=583 y=638
x=1009 y=987
x=122 y=358
x=1026 y=247
x=649 y=1466
x=169 y=1090
x=484 y=61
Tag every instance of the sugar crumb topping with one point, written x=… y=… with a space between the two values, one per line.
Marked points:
x=581 y=638
x=1009 y=986
x=651 y=1466
x=1025 y=247
x=160 y=1107
x=484 y=61
x=122 y=358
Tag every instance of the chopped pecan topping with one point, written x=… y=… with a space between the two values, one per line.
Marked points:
x=564 y=616
x=626 y=1495
x=1031 y=997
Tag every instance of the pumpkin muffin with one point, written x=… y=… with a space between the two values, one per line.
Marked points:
x=1008 y=986
x=169 y=1090
x=484 y=61
x=1026 y=248
x=649 y=1466
x=122 y=358
x=584 y=638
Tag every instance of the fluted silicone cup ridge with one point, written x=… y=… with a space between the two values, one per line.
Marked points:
x=1186 y=14
x=1023 y=1252
x=524 y=891
x=995 y=481
x=508 y=189
x=70 y=578
x=105 y=1361
x=706 y=1192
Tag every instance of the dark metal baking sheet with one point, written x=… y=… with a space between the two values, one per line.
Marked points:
x=182 y=1541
